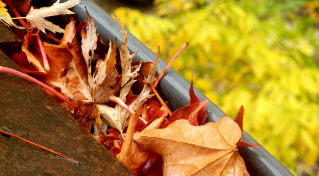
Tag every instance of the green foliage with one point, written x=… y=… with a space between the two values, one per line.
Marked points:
x=261 y=54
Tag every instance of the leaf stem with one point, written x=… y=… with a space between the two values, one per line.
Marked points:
x=44 y=56
x=158 y=97
x=9 y=134
x=53 y=38
x=15 y=72
x=16 y=13
x=170 y=62
x=121 y=103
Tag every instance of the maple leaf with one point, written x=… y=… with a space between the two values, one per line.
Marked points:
x=117 y=117
x=104 y=82
x=105 y=78
x=36 y=16
x=5 y=16
x=89 y=40
x=209 y=149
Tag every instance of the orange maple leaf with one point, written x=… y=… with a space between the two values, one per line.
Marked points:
x=209 y=149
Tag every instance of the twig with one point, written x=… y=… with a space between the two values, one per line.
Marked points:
x=121 y=103
x=44 y=56
x=53 y=38
x=16 y=13
x=158 y=97
x=170 y=63
x=9 y=134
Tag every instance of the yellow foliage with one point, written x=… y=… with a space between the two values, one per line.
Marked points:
x=236 y=58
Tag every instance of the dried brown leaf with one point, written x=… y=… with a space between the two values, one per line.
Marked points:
x=88 y=113
x=30 y=56
x=105 y=79
x=196 y=150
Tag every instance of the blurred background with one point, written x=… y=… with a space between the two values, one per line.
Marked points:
x=262 y=54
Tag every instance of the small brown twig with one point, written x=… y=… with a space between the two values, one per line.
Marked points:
x=170 y=63
x=53 y=38
x=158 y=96
x=43 y=53
x=44 y=56
x=9 y=134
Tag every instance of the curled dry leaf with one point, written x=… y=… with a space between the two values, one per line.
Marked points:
x=193 y=99
x=132 y=155
x=89 y=39
x=195 y=112
x=36 y=16
x=239 y=120
x=105 y=79
x=196 y=150
x=27 y=46
x=189 y=113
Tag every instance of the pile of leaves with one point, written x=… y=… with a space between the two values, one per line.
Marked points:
x=113 y=98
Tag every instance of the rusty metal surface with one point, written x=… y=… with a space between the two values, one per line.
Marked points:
x=31 y=114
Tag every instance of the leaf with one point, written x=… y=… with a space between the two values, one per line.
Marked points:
x=117 y=117
x=89 y=40
x=239 y=120
x=30 y=56
x=36 y=16
x=132 y=155
x=88 y=113
x=105 y=79
x=209 y=149
x=5 y=16
x=126 y=61
x=189 y=112
x=202 y=114
x=142 y=74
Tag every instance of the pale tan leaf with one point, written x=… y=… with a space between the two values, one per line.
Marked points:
x=36 y=16
x=144 y=95
x=89 y=40
x=126 y=61
x=109 y=114
x=127 y=77
x=85 y=88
